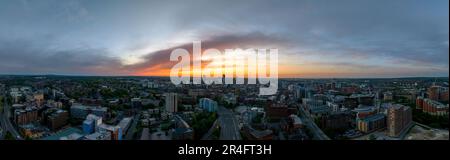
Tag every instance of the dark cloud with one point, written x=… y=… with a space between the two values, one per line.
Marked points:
x=404 y=35
x=25 y=57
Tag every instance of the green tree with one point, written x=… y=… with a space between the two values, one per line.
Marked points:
x=372 y=137
x=9 y=136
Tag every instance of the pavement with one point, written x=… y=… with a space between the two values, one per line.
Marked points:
x=229 y=125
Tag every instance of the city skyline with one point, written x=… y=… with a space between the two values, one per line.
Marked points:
x=346 y=39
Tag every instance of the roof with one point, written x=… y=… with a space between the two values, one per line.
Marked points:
x=80 y=106
x=125 y=121
x=296 y=119
x=257 y=133
x=73 y=136
x=63 y=133
x=373 y=117
x=98 y=136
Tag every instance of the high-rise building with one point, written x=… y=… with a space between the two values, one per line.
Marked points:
x=25 y=116
x=171 y=102
x=115 y=131
x=419 y=102
x=434 y=107
x=125 y=124
x=336 y=121
x=438 y=93
x=433 y=92
x=57 y=119
x=39 y=98
x=88 y=126
x=279 y=111
x=399 y=117
x=91 y=123
x=208 y=104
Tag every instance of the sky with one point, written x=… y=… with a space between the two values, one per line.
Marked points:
x=315 y=38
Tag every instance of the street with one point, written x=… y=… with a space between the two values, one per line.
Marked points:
x=316 y=131
x=229 y=125
x=130 y=133
x=6 y=123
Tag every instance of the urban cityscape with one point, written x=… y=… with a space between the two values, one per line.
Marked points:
x=343 y=70
x=54 y=107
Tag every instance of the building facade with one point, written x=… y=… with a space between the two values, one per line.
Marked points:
x=208 y=104
x=81 y=111
x=399 y=118
x=171 y=102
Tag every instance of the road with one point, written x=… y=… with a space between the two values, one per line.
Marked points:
x=6 y=123
x=229 y=125
x=316 y=131
x=1 y=115
x=131 y=130
x=207 y=135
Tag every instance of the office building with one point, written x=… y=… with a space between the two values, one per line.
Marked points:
x=39 y=99
x=438 y=93
x=434 y=107
x=91 y=124
x=208 y=105
x=341 y=120
x=171 y=102
x=115 y=131
x=57 y=119
x=25 y=116
x=125 y=124
x=278 y=111
x=399 y=118
x=419 y=102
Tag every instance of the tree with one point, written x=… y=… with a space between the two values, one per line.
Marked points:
x=201 y=123
x=9 y=136
x=372 y=137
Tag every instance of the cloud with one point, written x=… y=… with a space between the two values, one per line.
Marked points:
x=25 y=57
x=159 y=60
x=404 y=35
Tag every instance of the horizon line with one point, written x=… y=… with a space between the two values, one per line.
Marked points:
x=75 y=75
